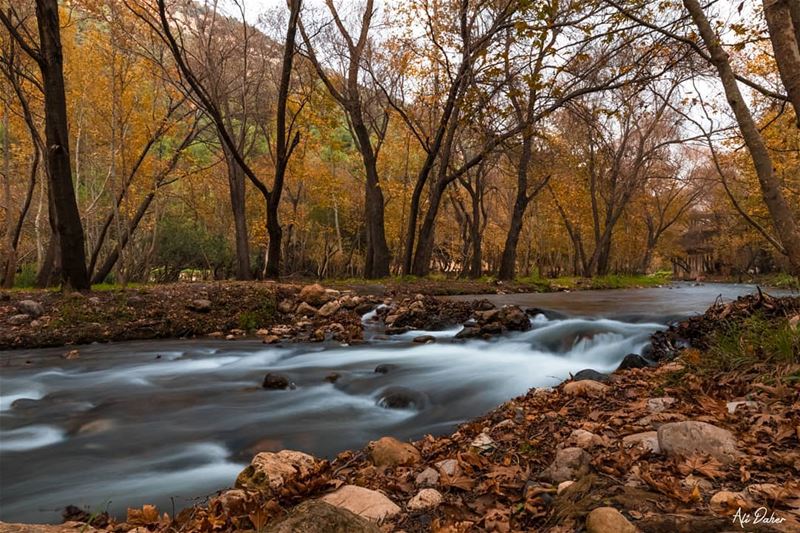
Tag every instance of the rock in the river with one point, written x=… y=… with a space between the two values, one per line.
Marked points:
x=593 y=375
x=513 y=318
x=275 y=381
x=570 y=463
x=369 y=504
x=608 y=520
x=333 y=377
x=684 y=439
x=388 y=451
x=317 y=516
x=401 y=398
x=314 y=294
x=201 y=305
x=633 y=360
x=585 y=387
x=329 y=309
x=18 y=320
x=269 y=471
x=425 y=499
x=384 y=368
x=425 y=339
x=30 y=307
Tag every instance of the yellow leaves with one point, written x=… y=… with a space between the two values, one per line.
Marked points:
x=147 y=515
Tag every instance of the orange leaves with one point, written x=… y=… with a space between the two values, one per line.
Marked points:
x=704 y=465
x=147 y=516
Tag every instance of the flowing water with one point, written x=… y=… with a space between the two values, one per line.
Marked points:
x=168 y=422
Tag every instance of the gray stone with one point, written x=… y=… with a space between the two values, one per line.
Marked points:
x=683 y=439
x=570 y=463
x=30 y=307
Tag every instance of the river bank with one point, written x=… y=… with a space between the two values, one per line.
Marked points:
x=621 y=439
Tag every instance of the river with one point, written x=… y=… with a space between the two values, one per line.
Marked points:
x=171 y=421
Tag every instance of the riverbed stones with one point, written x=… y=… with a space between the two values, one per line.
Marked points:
x=429 y=476
x=401 y=398
x=270 y=471
x=329 y=309
x=366 y=503
x=608 y=520
x=683 y=439
x=588 y=373
x=316 y=516
x=659 y=405
x=647 y=440
x=585 y=439
x=424 y=500
x=275 y=382
x=314 y=294
x=30 y=307
x=425 y=339
x=633 y=360
x=585 y=387
x=570 y=463
x=388 y=451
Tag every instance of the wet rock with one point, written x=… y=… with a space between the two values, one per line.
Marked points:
x=684 y=439
x=425 y=499
x=71 y=355
x=401 y=398
x=633 y=360
x=305 y=309
x=570 y=463
x=314 y=295
x=269 y=472
x=385 y=368
x=369 y=504
x=647 y=440
x=275 y=381
x=514 y=319
x=200 y=305
x=18 y=320
x=585 y=387
x=333 y=377
x=329 y=309
x=388 y=451
x=429 y=476
x=659 y=405
x=30 y=307
x=593 y=375
x=608 y=520
x=364 y=308
x=316 y=516
x=425 y=339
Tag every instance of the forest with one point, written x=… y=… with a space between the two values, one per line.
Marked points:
x=158 y=140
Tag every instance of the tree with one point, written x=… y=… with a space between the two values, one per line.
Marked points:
x=62 y=193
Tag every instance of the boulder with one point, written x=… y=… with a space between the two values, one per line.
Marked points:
x=593 y=375
x=429 y=476
x=633 y=360
x=608 y=520
x=314 y=294
x=513 y=318
x=268 y=472
x=200 y=305
x=329 y=309
x=275 y=381
x=690 y=437
x=18 y=320
x=305 y=309
x=30 y=307
x=570 y=463
x=647 y=440
x=586 y=387
x=388 y=451
x=316 y=516
x=366 y=503
x=425 y=499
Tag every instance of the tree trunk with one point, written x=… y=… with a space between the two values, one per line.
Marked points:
x=783 y=34
x=426 y=240
x=236 y=187
x=785 y=225
x=68 y=221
